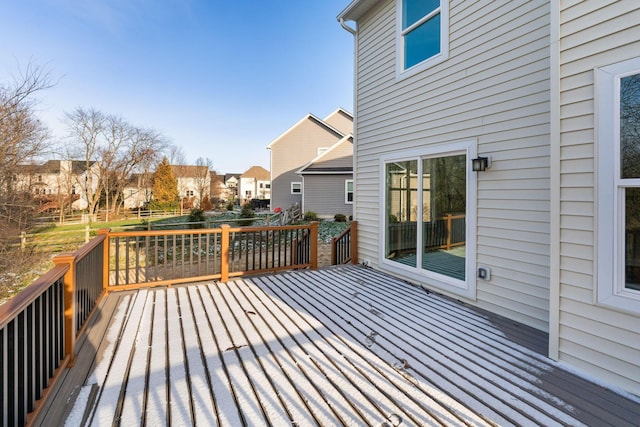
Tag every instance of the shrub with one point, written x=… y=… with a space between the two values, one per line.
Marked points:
x=310 y=216
x=246 y=212
x=197 y=217
x=339 y=217
x=230 y=206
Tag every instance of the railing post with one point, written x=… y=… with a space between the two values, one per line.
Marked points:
x=69 y=304
x=334 y=251
x=105 y=258
x=314 y=245
x=86 y=234
x=353 y=241
x=448 y=217
x=224 y=253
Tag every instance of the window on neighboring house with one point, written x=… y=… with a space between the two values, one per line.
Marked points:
x=423 y=33
x=190 y=193
x=39 y=178
x=247 y=194
x=296 y=188
x=619 y=185
x=267 y=185
x=348 y=191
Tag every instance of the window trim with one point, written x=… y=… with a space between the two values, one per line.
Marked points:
x=609 y=248
x=346 y=191
x=467 y=288
x=293 y=183
x=401 y=72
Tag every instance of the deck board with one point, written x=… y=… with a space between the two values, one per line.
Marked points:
x=339 y=346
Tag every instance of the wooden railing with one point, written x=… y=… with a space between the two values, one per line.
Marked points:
x=155 y=258
x=40 y=326
x=344 y=248
x=443 y=233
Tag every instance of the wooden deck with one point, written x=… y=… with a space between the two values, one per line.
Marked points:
x=340 y=346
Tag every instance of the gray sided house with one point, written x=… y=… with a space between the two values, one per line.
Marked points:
x=327 y=181
x=549 y=233
x=296 y=147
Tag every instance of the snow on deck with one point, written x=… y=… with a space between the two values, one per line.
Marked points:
x=341 y=346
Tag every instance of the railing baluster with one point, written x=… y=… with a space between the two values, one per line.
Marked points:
x=117 y=259
x=4 y=395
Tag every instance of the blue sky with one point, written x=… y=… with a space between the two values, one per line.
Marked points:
x=221 y=79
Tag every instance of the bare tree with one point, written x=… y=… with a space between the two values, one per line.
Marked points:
x=86 y=127
x=204 y=166
x=113 y=151
x=23 y=137
x=175 y=155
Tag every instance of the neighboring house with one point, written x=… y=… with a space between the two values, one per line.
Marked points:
x=547 y=90
x=194 y=183
x=231 y=183
x=327 y=181
x=255 y=184
x=137 y=192
x=55 y=183
x=303 y=142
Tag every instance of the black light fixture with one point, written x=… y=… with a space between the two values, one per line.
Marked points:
x=480 y=164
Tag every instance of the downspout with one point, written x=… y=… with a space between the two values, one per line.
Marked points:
x=348 y=28
x=354 y=32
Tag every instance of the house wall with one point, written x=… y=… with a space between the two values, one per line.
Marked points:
x=292 y=150
x=493 y=88
x=599 y=340
x=325 y=195
x=341 y=121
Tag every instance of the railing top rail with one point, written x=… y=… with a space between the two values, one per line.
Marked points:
x=10 y=309
x=346 y=231
x=143 y=233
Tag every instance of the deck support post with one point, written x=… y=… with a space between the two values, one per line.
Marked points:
x=353 y=241
x=224 y=253
x=69 y=296
x=314 y=245
x=105 y=259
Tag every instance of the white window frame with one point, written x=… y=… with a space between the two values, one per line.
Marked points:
x=321 y=150
x=346 y=191
x=299 y=183
x=610 y=241
x=401 y=72
x=465 y=288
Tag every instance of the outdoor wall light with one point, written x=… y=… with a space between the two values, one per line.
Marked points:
x=480 y=164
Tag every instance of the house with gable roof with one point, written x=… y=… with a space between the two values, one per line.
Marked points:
x=495 y=154
x=296 y=147
x=254 y=184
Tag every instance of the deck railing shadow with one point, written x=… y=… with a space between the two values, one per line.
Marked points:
x=40 y=326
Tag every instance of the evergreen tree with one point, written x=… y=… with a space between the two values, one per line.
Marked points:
x=165 y=188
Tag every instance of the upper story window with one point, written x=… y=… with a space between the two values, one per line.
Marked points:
x=618 y=228
x=423 y=35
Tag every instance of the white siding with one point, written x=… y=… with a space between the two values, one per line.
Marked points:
x=493 y=88
x=599 y=340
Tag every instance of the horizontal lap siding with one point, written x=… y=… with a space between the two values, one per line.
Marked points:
x=293 y=150
x=494 y=88
x=599 y=340
x=324 y=195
